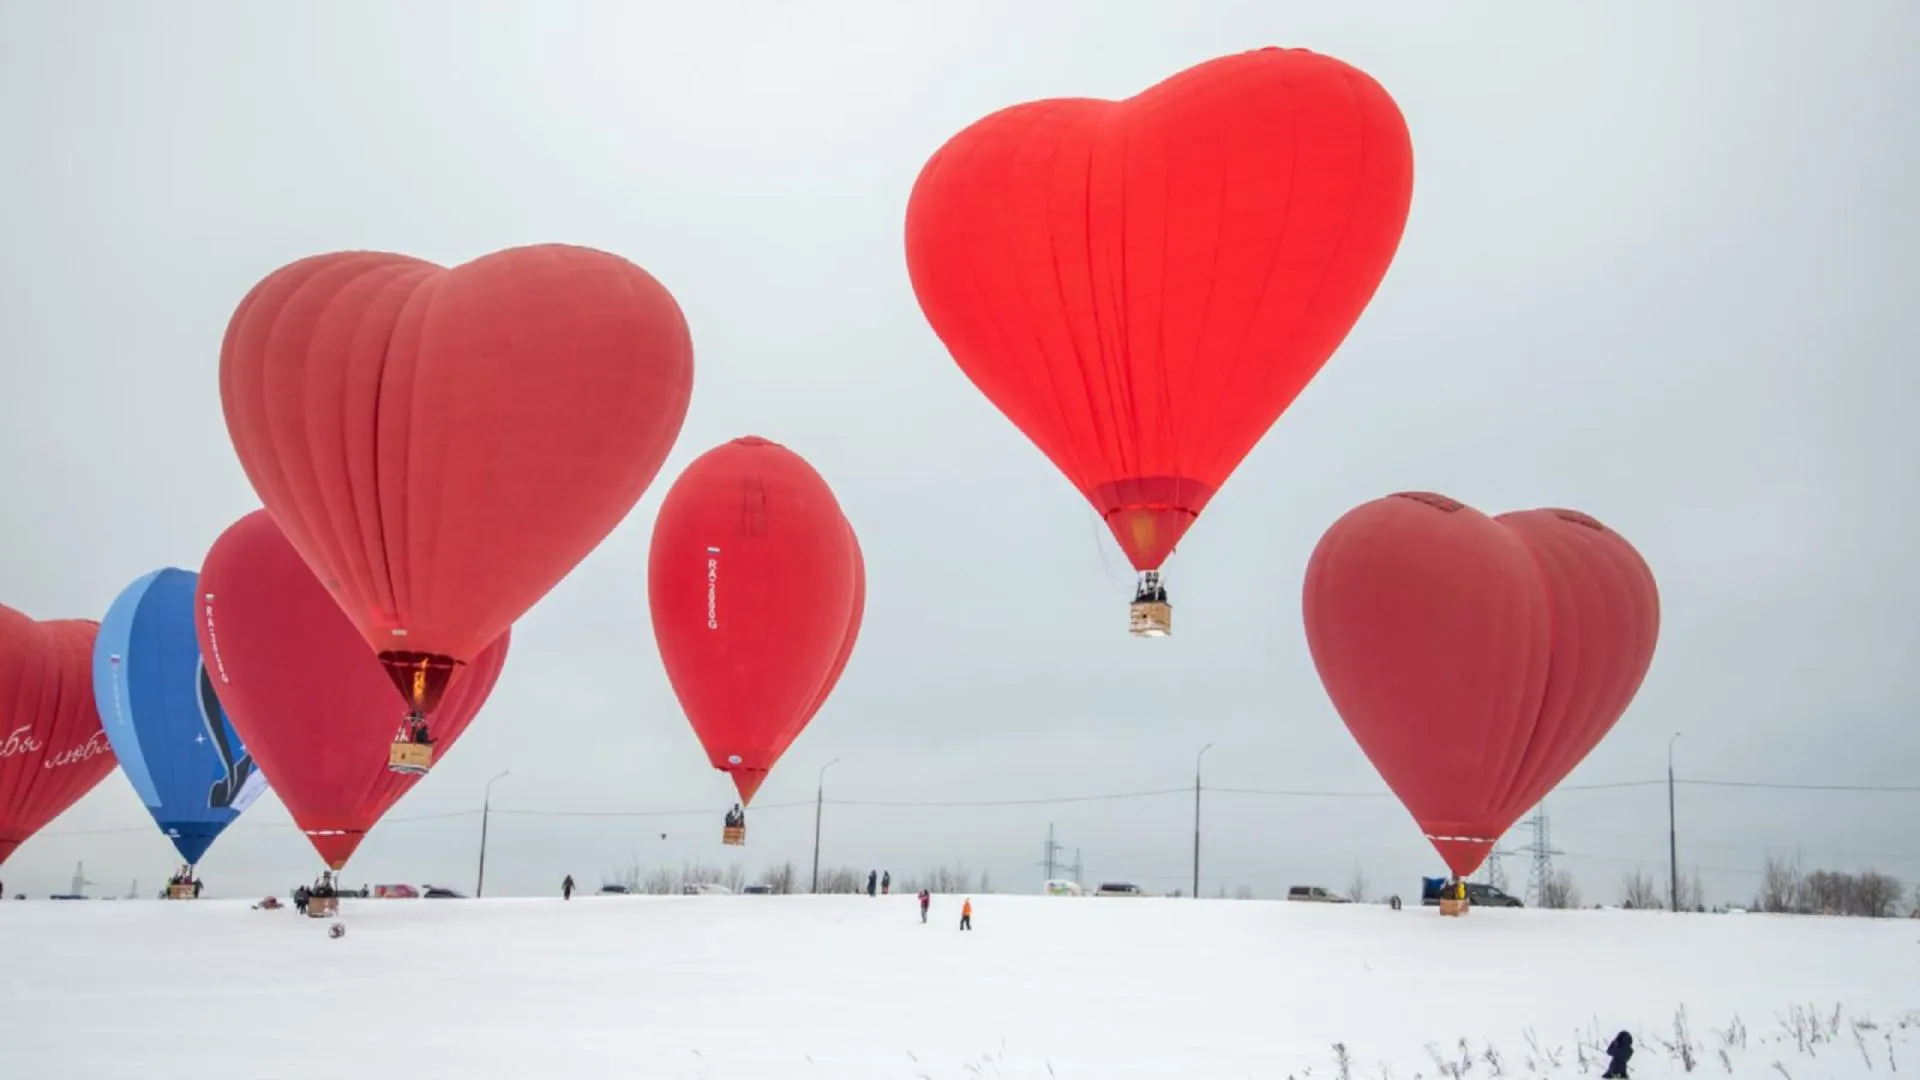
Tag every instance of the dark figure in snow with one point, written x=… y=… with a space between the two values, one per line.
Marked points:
x=566 y=888
x=872 y=882
x=1394 y=902
x=1618 y=1053
x=925 y=899
x=886 y=883
x=300 y=897
x=196 y=888
x=966 y=914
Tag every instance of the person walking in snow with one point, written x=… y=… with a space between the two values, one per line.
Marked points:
x=966 y=914
x=1618 y=1053
x=925 y=899
x=886 y=883
x=566 y=888
x=872 y=878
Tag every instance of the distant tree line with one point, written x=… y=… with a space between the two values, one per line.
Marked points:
x=1784 y=888
x=785 y=879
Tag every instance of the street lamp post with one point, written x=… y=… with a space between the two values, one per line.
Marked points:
x=1673 y=837
x=486 y=806
x=1196 y=818
x=819 y=800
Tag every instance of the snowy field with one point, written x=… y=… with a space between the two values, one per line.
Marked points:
x=850 y=987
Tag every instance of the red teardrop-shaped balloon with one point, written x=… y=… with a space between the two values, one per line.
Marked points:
x=846 y=649
x=1143 y=286
x=52 y=748
x=310 y=700
x=1476 y=660
x=751 y=582
x=442 y=446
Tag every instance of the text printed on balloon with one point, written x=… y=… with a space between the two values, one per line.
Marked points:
x=19 y=741
x=713 y=589
x=95 y=745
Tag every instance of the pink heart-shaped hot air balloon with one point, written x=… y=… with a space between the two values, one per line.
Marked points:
x=308 y=696
x=1476 y=660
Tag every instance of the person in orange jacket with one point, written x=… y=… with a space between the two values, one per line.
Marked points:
x=966 y=914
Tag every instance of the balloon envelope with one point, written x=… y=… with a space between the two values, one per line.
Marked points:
x=1476 y=660
x=52 y=750
x=443 y=445
x=306 y=693
x=846 y=649
x=1143 y=286
x=158 y=706
x=751 y=583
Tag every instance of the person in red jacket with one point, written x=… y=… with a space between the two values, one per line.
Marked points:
x=925 y=899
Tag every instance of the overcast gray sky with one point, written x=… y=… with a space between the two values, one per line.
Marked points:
x=1659 y=268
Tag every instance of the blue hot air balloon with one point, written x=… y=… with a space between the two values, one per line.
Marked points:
x=173 y=739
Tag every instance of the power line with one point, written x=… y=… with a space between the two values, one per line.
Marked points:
x=1017 y=802
x=1288 y=793
x=705 y=812
x=1768 y=786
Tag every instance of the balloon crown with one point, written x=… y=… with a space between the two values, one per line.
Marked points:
x=1438 y=502
x=1575 y=517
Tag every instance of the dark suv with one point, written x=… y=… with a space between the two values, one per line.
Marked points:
x=1478 y=896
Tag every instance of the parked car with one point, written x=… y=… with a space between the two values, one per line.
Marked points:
x=1059 y=887
x=395 y=892
x=441 y=892
x=614 y=890
x=757 y=890
x=1118 y=888
x=1314 y=894
x=1478 y=895
x=708 y=888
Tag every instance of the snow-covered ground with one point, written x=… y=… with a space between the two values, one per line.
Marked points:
x=850 y=987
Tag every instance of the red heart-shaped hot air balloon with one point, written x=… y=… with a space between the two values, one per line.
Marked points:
x=52 y=748
x=1476 y=660
x=1143 y=286
x=442 y=446
x=751 y=583
x=310 y=700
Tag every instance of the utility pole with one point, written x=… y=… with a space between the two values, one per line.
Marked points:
x=1673 y=836
x=819 y=800
x=1076 y=867
x=1048 y=858
x=1196 y=818
x=1497 y=874
x=1540 y=875
x=486 y=805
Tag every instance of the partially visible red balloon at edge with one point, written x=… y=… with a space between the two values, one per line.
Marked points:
x=1476 y=660
x=52 y=748
x=442 y=446
x=751 y=584
x=1143 y=286
x=310 y=700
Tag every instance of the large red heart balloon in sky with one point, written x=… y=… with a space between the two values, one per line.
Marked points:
x=1477 y=660
x=442 y=446
x=310 y=700
x=1143 y=286
x=52 y=748
x=752 y=580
